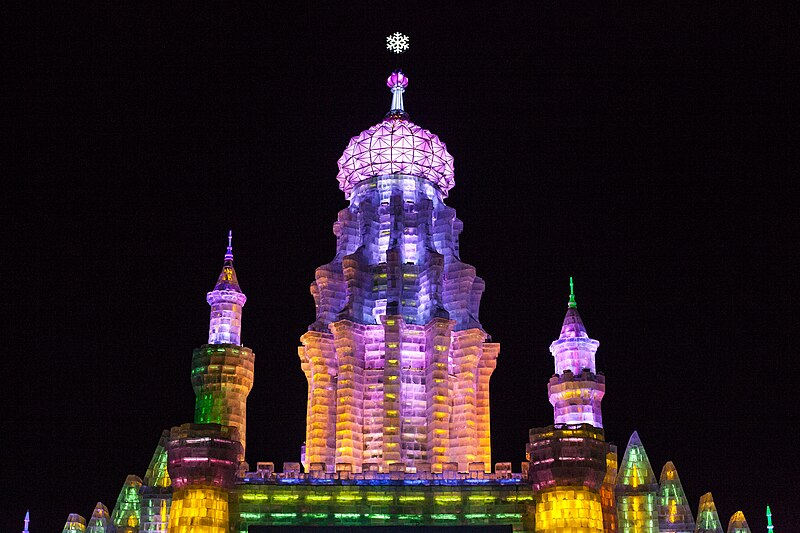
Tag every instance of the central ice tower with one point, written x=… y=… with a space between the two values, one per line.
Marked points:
x=397 y=363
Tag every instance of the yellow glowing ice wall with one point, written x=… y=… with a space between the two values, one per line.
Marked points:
x=636 y=491
x=202 y=463
x=222 y=370
x=397 y=362
x=567 y=466
x=568 y=510
x=607 y=492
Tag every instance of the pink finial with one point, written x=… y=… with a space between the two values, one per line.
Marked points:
x=397 y=79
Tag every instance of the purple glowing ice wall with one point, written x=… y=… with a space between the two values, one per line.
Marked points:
x=397 y=362
x=575 y=390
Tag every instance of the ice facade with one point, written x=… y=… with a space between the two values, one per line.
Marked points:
x=398 y=367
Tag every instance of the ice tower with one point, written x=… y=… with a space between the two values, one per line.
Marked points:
x=397 y=363
x=572 y=468
x=125 y=516
x=222 y=370
x=75 y=524
x=707 y=517
x=100 y=522
x=738 y=524
x=674 y=514
x=636 y=490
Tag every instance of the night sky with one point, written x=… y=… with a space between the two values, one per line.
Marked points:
x=631 y=149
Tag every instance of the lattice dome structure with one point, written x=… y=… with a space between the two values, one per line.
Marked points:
x=396 y=146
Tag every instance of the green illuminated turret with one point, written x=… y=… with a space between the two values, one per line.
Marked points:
x=100 y=522
x=707 y=517
x=636 y=490
x=126 y=511
x=770 y=528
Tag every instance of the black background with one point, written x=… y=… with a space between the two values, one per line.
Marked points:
x=636 y=149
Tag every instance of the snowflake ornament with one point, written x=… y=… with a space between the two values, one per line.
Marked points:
x=397 y=42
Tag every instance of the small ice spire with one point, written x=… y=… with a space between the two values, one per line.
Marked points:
x=229 y=253
x=770 y=527
x=572 y=302
x=28 y=519
x=397 y=82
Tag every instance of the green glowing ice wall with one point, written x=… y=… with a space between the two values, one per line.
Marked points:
x=126 y=512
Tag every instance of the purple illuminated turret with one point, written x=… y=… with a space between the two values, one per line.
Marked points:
x=575 y=390
x=226 y=301
x=27 y=521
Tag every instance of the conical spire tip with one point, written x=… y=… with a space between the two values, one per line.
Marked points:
x=572 y=302
x=229 y=252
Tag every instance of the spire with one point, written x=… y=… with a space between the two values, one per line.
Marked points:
x=227 y=279
x=674 y=513
x=770 y=527
x=573 y=325
x=75 y=524
x=572 y=302
x=707 y=517
x=100 y=522
x=229 y=253
x=226 y=301
x=397 y=83
x=28 y=519
x=635 y=469
x=738 y=524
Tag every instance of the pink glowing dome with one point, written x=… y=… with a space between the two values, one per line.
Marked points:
x=396 y=146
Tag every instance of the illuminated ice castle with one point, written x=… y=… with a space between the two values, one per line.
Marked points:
x=398 y=368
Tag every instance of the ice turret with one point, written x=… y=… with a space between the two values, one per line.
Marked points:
x=576 y=390
x=707 y=517
x=26 y=522
x=75 y=524
x=226 y=301
x=770 y=527
x=738 y=524
x=674 y=513
x=222 y=370
x=100 y=522
x=126 y=512
x=636 y=491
